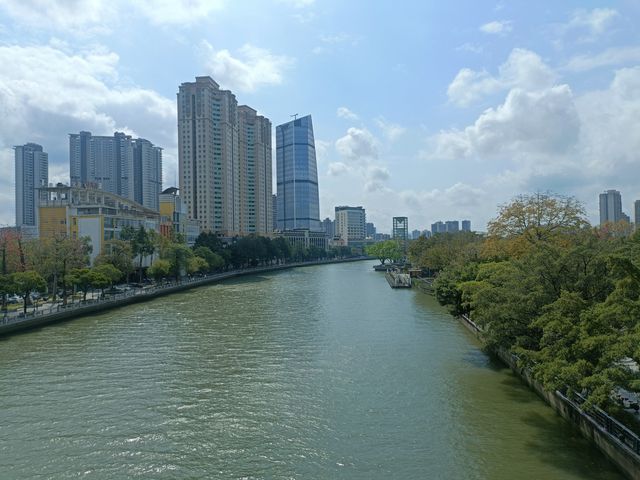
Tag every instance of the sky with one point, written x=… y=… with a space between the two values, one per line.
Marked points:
x=428 y=109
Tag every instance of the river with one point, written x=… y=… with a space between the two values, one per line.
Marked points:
x=312 y=373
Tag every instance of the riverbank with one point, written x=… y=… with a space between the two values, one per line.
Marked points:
x=618 y=443
x=61 y=313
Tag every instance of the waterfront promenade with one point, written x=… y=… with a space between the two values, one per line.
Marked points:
x=39 y=316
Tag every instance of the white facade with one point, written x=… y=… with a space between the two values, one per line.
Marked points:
x=350 y=223
x=31 y=173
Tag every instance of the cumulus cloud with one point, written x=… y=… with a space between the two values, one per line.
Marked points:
x=344 y=112
x=522 y=69
x=49 y=92
x=497 y=27
x=337 y=168
x=251 y=69
x=392 y=131
x=358 y=145
x=543 y=121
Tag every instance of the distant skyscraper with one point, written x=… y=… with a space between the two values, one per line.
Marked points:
x=636 y=212
x=438 y=227
x=452 y=226
x=415 y=234
x=350 y=223
x=329 y=227
x=255 y=183
x=466 y=225
x=610 y=206
x=297 y=176
x=426 y=233
x=119 y=164
x=371 y=230
x=274 y=210
x=147 y=173
x=208 y=159
x=32 y=172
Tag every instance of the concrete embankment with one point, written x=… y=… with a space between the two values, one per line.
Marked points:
x=619 y=444
x=38 y=319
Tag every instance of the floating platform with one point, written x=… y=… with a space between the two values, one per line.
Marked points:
x=398 y=280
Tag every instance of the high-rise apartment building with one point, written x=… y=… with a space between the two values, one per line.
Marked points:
x=610 y=207
x=329 y=227
x=208 y=155
x=118 y=164
x=147 y=173
x=370 y=230
x=297 y=176
x=452 y=226
x=438 y=227
x=256 y=208
x=32 y=172
x=350 y=223
x=466 y=225
x=636 y=213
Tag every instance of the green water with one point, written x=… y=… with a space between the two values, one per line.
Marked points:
x=319 y=372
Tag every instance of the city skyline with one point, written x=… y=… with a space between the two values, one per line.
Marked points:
x=484 y=72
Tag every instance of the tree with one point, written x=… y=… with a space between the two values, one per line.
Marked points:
x=387 y=250
x=111 y=273
x=538 y=217
x=142 y=245
x=197 y=264
x=178 y=256
x=159 y=269
x=6 y=288
x=81 y=278
x=214 y=261
x=119 y=254
x=27 y=282
x=209 y=240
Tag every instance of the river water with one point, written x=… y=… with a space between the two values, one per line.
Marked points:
x=313 y=373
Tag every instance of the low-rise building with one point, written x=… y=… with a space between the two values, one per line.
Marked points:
x=305 y=238
x=174 y=219
x=90 y=212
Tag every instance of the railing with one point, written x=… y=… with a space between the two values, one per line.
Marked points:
x=601 y=418
x=605 y=421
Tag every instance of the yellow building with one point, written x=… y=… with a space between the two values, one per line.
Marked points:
x=173 y=217
x=89 y=212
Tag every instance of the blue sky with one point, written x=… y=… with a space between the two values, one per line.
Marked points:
x=433 y=110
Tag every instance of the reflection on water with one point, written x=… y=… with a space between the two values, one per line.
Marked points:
x=320 y=372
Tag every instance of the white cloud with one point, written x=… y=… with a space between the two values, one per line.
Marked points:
x=610 y=57
x=358 y=145
x=522 y=69
x=98 y=16
x=470 y=47
x=253 y=68
x=596 y=21
x=337 y=168
x=542 y=121
x=392 y=131
x=497 y=27
x=344 y=112
x=49 y=92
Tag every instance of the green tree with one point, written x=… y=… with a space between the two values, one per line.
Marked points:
x=110 y=272
x=26 y=283
x=160 y=269
x=214 y=261
x=119 y=254
x=178 y=256
x=390 y=250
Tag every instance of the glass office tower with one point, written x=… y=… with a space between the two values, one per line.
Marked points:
x=298 y=202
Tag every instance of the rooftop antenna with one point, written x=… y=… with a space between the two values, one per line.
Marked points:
x=295 y=116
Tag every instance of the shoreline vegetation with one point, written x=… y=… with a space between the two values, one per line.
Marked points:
x=558 y=296
x=50 y=272
x=59 y=312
